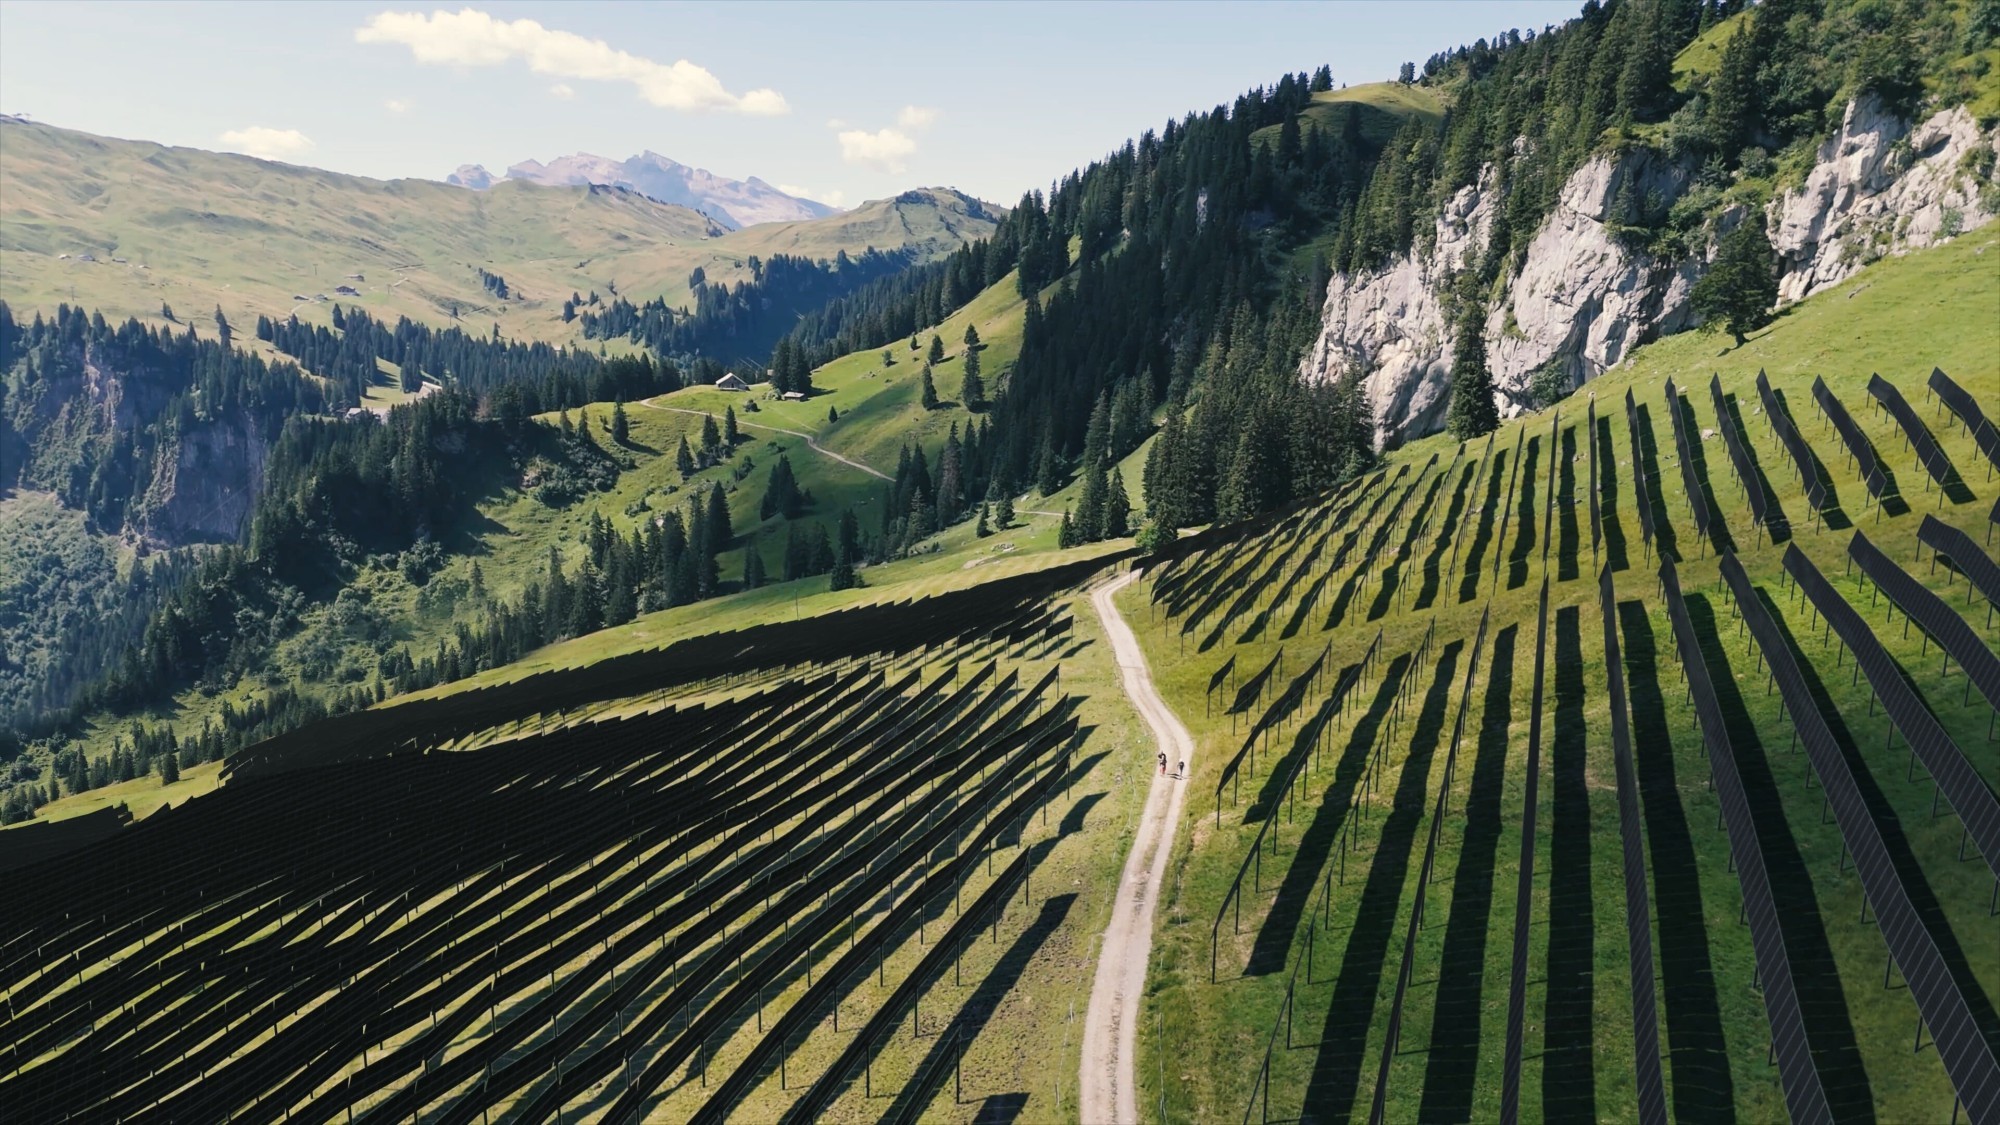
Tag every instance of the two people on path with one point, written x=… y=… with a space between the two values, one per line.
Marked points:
x=1181 y=772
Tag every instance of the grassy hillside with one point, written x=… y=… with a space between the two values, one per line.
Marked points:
x=1353 y=866
x=198 y=230
x=1378 y=109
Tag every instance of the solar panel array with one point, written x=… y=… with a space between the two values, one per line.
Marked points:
x=1517 y=988
x=1697 y=500
x=1963 y=788
x=1805 y=1096
x=1983 y=431
x=1858 y=445
x=1638 y=914
x=1641 y=490
x=1794 y=443
x=1928 y=454
x=1932 y=615
x=1968 y=1058
x=1739 y=454
x=1964 y=553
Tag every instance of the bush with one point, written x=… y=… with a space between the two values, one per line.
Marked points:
x=1154 y=536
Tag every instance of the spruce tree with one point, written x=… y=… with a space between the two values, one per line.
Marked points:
x=973 y=390
x=832 y=415
x=683 y=457
x=1472 y=411
x=753 y=566
x=1003 y=512
x=981 y=529
x=937 y=350
x=971 y=337
x=719 y=531
x=730 y=434
x=1066 y=534
x=711 y=435
x=621 y=427
x=1117 y=508
x=930 y=397
x=1738 y=291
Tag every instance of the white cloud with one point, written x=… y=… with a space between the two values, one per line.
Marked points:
x=470 y=37
x=885 y=150
x=830 y=198
x=271 y=144
x=562 y=90
x=917 y=117
x=397 y=105
x=835 y=123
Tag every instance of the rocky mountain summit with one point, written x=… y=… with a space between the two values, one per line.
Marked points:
x=733 y=203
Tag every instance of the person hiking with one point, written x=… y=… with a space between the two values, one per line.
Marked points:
x=1183 y=770
x=1163 y=763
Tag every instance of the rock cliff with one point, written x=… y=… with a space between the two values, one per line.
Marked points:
x=1582 y=297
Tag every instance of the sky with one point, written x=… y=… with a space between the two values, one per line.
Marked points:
x=837 y=102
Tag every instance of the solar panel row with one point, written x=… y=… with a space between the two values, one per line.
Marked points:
x=1932 y=615
x=1929 y=455
x=1983 y=431
x=1590 y=442
x=1941 y=755
x=1857 y=442
x=1697 y=501
x=1794 y=443
x=1805 y=1096
x=1739 y=454
x=1966 y=555
x=1651 y=1086
x=1517 y=988
x=1968 y=1057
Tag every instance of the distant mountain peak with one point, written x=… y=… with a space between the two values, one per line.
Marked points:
x=732 y=203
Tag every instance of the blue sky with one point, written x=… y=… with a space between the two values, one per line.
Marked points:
x=843 y=102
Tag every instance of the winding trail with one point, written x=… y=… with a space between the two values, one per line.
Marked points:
x=1107 y=1084
x=811 y=441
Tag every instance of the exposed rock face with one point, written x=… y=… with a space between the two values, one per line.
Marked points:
x=204 y=485
x=1581 y=299
x=1880 y=187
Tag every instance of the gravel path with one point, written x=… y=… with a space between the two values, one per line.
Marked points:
x=1107 y=1085
x=810 y=440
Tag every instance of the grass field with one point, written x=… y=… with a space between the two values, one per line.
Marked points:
x=1208 y=1040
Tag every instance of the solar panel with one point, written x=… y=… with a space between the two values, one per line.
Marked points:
x=1696 y=500
x=1956 y=545
x=1955 y=776
x=1805 y=1096
x=1640 y=489
x=1967 y=408
x=1925 y=446
x=1967 y=1057
x=1788 y=435
x=1858 y=445
x=1932 y=615
x=1517 y=988
x=1739 y=454
x=1638 y=914
x=1590 y=442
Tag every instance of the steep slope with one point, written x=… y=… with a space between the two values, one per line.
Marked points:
x=733 y=203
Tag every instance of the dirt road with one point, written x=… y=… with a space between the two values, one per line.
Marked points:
x=1107 y=1085
x=810 y=440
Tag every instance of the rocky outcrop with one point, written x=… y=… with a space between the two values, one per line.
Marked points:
x=1581 y=298
x=203 y=485
x=1880 y=187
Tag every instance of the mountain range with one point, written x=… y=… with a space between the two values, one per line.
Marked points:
x=733 y=203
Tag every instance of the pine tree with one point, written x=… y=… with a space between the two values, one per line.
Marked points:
x=1003 y=512
x=937 y=350
x=621 y=428
x=753 y=566
x=1472 y=411
x=730 y=434
x=170 y=769
x=1117 y=508
x=719 y=531
x=973 y=391
x=930 y=397
x=846 y=552
x=1066 y=534
x=683 y=457
x=971 y=337
x=1738 y=291
x=981 y=529
x=832 y=415
x=711 y=435
x=167 y=313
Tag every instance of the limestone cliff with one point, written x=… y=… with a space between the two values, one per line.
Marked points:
x=1581 y=297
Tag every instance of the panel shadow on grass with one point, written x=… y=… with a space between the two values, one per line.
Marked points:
x=1453 y=1066
x=1567 y=537
x=1343 y=1045
x=1664 y=539
x=1815 y=972
x=1468 y=588
x=1696 y=1048
x=1607 y=498
x=1569 y=1089
x=1441 y=545
x=1524 y=517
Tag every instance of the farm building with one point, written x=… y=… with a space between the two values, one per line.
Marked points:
x=731 y=382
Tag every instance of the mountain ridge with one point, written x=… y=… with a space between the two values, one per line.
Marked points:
x=733 y=203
